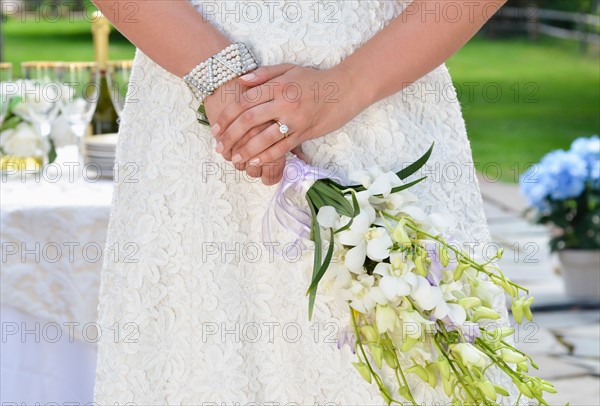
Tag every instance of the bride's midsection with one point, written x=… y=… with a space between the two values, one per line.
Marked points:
x=317 y=33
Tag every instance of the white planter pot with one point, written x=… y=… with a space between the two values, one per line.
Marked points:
x=581 y=273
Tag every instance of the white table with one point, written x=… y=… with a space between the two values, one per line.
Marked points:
x=52 y=233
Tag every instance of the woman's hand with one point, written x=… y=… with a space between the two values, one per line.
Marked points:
x=228 y=95
x=312 y=103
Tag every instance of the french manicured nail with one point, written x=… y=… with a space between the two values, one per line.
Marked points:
x=216 y=128
x=249 y=77
x=236 y=158
x=254 y=162
x=220 y=147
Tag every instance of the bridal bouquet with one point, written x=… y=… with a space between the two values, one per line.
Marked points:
x=418 y=303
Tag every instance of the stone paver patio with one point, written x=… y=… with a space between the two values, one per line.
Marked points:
x=564 y=338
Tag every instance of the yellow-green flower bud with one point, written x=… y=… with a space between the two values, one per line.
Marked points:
x=377 y=353
x=400 y=236
x=469 y=302
x=431 y=374
x=500 y=333
x=408 y=343
x=483 y=312
x=404 y=391
x=524 y=389
x=389 y=359
x=444 y=256
x=448 y=386
x=527 y=309
x=370 y=334
x=420 y=266
x=501 y=390
x=517 y=310
x=363 y=369
x=487 y=388
x=499 y=254
x=419 y=371
x=511 y=356
x=523 y=366
x=444 y=367
x=548 y=387
x=385 y=395
x=460 y=269
x=508 y=288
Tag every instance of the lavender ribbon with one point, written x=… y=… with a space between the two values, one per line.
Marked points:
x=296 y=175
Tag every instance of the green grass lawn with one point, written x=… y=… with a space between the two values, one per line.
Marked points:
x=51 y=41
x=537 y=97
x=520 y=100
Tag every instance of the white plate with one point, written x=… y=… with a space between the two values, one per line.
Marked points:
x=102 y=141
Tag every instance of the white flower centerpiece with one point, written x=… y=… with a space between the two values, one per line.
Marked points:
x=22 y=147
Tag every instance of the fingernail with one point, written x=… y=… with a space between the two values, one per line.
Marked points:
x=249 y=77
x=216 y=128
x=254 y=162
x=220 y=147
x=236 y=158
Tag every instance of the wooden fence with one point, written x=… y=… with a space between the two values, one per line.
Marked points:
x=536 y=21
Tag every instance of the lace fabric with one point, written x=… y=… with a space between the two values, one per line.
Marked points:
x=218 y=317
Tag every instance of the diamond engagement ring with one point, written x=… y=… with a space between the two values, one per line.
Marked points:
x=283 y=129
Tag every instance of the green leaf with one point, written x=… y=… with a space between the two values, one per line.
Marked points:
x=202 y=117
x=316 y=278
x=316 y=237
x=52 y=152
x=354 y=214
x=415 y=166
x=410 y=184
x=10 y=123
x=333 y=197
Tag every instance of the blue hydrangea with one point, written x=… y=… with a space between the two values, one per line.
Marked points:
x=560 y=175
x=588 y=149
x=535 y=187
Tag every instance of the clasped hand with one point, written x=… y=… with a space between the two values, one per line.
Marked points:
x=244 y=115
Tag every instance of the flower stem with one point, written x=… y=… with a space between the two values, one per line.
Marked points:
x=378 y=379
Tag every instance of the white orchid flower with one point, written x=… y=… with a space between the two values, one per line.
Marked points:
x=486 y=291
x=386 y=318
x=337 y=277
x=375 y=245
x=328 y=217
x=435 y=223
x=455 y=313
x=396 y=201
x=414 y=323
x=397 y=277
x=363 y=295
x=426 y=296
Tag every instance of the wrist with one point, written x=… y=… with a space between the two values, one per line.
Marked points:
x=354 y=86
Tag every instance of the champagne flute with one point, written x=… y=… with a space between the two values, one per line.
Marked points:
x=41 y=93
x=117 y=75
x=80 y=96
x=5 y=77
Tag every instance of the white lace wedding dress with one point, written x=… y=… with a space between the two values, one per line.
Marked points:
x=201 y=314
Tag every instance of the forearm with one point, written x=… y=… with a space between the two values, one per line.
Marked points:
x=413 y=45
x=171 y=32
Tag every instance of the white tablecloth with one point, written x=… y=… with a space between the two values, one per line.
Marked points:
x=52 y=234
